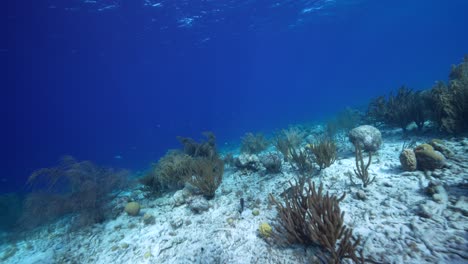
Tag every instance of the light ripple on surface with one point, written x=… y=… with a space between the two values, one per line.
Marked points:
x=200 y=16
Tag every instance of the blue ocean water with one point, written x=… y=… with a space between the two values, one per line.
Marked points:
x=116 y=81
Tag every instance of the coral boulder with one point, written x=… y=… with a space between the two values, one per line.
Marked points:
x=132 y=208
x=368 y=137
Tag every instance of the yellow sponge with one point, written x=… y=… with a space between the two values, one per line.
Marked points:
x=265 y=230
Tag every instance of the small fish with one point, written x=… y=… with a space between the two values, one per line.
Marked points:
x=118 y=157
x=241 y=209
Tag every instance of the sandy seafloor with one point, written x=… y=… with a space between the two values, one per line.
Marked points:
x=398 y=221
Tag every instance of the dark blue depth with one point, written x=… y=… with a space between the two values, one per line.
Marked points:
x=117 y=86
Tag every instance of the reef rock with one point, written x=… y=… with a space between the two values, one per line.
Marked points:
x=149 y=219
x=439 y=145
x=272 y=163
x=198 y=205
x=248 y=162
x=181 y=196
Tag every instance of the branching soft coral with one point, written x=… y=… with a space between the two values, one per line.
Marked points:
x=400 y=109
x=171 y=172
x=310 y=217
x=450 y=102
x=207 y=175
x=199 y=164
x=253 y=144
x=324 y=151
x=72 y=186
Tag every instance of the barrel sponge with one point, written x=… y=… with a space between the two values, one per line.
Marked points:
x=408 y=160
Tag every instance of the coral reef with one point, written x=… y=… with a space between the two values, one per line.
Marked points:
x=392 y=216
